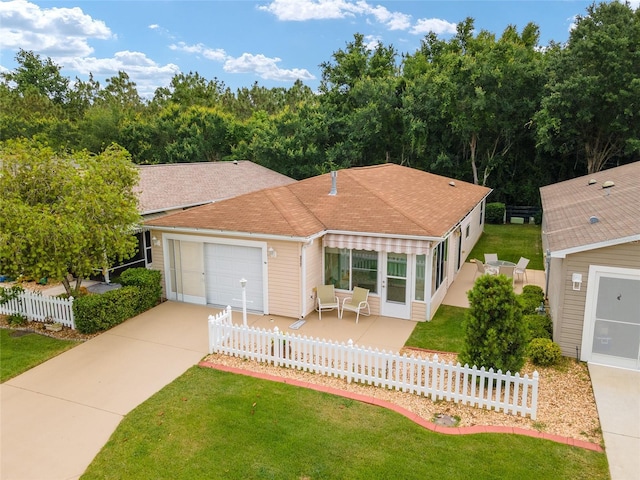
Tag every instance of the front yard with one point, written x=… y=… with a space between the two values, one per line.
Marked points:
x=212 y=424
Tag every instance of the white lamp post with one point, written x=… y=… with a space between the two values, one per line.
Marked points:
x=243 y=284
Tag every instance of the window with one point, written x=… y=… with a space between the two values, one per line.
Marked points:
x=481 y=212
x=345 y=268
x=439 y=270
x=466 y=231
x=147 y=246
x=421 y=262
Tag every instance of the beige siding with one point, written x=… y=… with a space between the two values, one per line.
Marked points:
x=314 y=274
x=157 y=255
x=571 y=313
x=418 y=311
x=284 y=279
x=475 y=231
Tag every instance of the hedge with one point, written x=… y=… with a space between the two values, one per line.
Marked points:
x=141 y=290
x=494 y=213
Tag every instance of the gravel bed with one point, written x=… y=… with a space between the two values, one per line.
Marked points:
x=566 y=405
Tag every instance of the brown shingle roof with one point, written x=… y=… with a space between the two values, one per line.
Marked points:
x=168 y=186
x=382 y=199
x=568 y=207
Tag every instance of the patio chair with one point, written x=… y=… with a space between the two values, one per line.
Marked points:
x=490 y=257
x=357 y=302
x=521 y=268
x=507 y=271
x=326 y=300
x=481 y=269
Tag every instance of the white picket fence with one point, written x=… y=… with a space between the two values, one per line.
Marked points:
x=41 y=308
x=432 y=378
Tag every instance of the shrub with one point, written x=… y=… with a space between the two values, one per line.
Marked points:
x=494 y=213
x=544 y=352
x=530 y=299
x=538 y=326
x=149 y=284
x=95 y=313
x=495 y=336
x=17 y=320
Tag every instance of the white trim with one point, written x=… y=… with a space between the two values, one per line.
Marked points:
x=384 y=235
x=224 y=241
x=593 y=246
x=227 y=233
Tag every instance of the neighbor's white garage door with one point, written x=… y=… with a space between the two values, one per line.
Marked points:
x=225 y=265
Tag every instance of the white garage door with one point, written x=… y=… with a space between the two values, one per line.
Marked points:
x=225 y=265
x=612 y=317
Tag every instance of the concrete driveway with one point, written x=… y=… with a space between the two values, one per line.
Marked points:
x=617 y=394
x=57 y=416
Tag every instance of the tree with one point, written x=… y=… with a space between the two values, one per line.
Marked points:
x=591 y=109
x=65 y=215
x=495 y=336
x=36 y=75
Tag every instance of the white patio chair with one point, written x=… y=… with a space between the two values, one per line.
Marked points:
x=481 y=269
x=521 y=268
x=507 y=271
x=490 y=257
x=357 y=302
x=326 y=300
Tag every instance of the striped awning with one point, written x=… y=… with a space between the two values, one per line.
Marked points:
x=378 y=244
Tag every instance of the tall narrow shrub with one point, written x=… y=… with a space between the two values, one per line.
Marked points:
x=495 y=336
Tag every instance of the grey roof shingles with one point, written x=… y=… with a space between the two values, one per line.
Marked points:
x=568 y=206
x=384 y=199
x=168 y=186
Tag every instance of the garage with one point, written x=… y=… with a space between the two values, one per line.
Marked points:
x=611 y=333
x=225 y=266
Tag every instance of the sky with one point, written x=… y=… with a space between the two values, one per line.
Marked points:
x=242 y=42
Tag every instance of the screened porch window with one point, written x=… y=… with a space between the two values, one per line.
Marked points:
x=346 y=268
x=421 y=263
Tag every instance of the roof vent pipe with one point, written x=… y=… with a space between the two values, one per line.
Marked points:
x=334 y=183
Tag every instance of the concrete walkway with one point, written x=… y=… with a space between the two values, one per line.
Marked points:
x=617 y=394
x=57 y=416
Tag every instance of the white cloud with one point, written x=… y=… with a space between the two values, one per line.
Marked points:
x=259 y=65
x=302 y=10
x=392 y=20
x=265 y=67
x=435 y=25
x=51 y=32
x=216 y=54
x=371 y=42
x=146 y=73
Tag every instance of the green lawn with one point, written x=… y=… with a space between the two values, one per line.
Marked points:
x=19 y=354
x=511 y=242
x=211 y=424
x=443 y=333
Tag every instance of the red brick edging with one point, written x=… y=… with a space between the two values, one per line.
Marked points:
x=410 y=415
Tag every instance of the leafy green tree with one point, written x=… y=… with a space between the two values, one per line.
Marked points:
x=470 y=99
x=36 y=75
x=361 y=102
x=590 y=113
x=495 y=336
x=65 y=216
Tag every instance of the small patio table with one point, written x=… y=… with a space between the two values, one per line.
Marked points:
x=501 y=263
x=494 y=266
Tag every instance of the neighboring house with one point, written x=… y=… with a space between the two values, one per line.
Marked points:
x=168 y=188
x=591 y=235
x=400 y=232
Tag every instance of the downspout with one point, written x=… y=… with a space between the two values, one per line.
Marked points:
x=548 y=262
